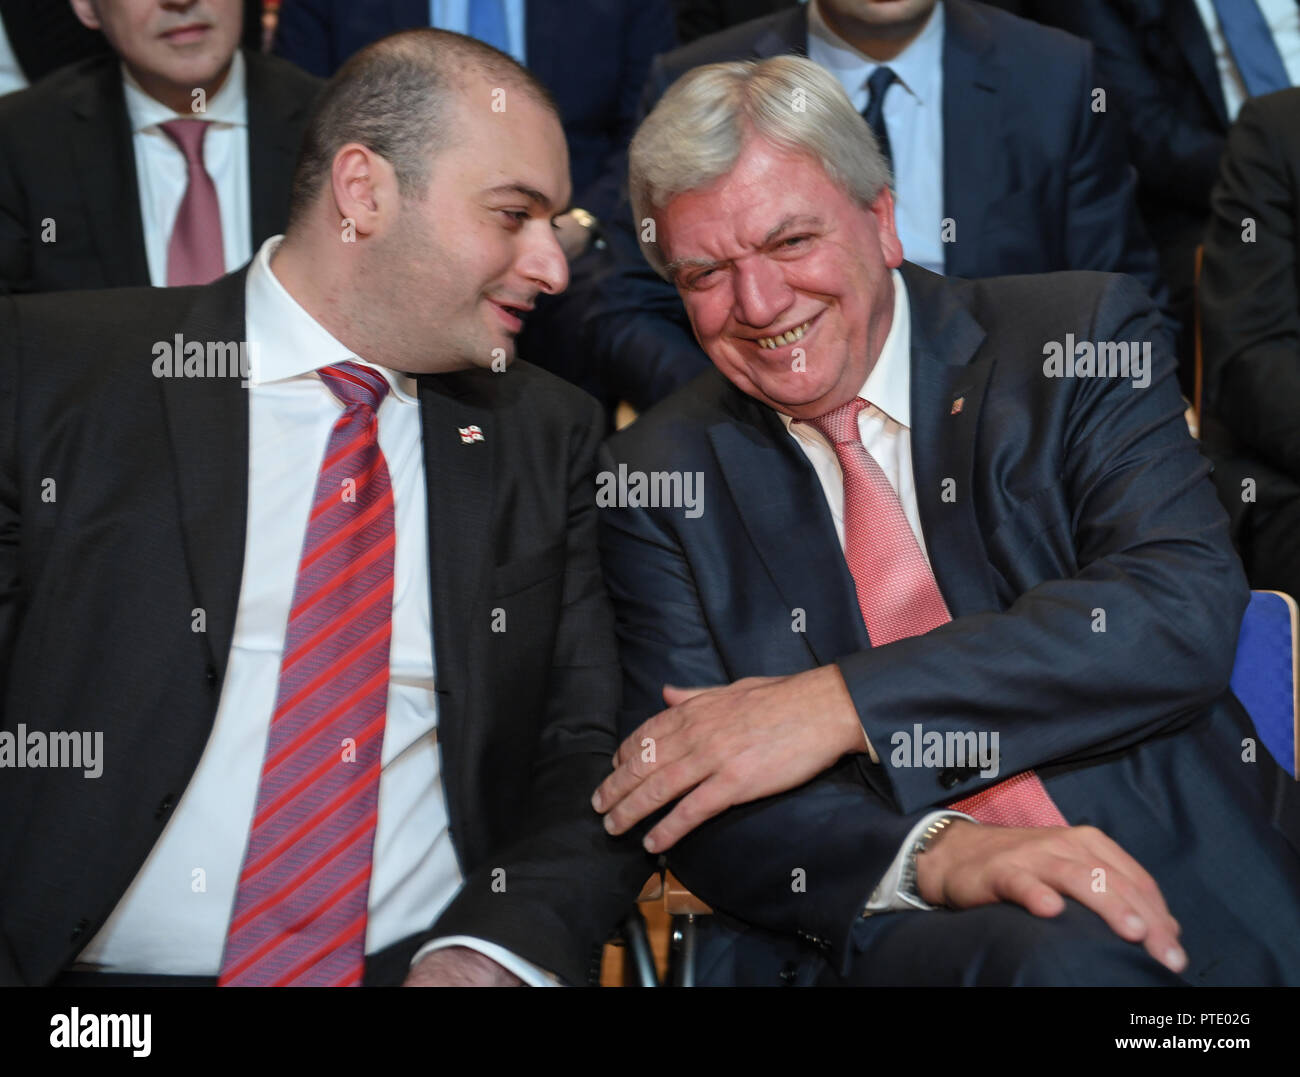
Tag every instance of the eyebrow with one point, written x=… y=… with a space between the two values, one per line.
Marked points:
x=804 y=220
x=530 y=193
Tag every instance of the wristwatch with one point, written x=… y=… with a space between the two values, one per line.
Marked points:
x=591 y=223
x=907 y=889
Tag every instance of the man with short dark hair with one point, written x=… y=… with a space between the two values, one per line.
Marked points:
x=288 y=593
x=164 y=162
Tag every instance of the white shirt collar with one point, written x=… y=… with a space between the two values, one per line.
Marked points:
x=918 y=66
x=229 y=105
x=889 y=385
x=287 y=342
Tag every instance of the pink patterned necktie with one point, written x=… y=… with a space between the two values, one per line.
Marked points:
x=898 y=596
x=195 y=254
x=300 y=910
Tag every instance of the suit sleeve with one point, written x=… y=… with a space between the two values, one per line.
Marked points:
x=1175 y=157
x=302 y=36
x=756 y=861
x=635 y=325
x=567 y=882
x=1250 y=303
x=1135 y=642
x=1103 y=229
x=647 y=30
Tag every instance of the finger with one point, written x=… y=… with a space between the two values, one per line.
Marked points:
x=674 y=695
x=1124 y=908
x=635 y=769
x=1025 y=889
x=708 y=799
x=664 y=785
x=1142 y=880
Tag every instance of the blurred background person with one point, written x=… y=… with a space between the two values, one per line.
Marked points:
x=165 y=161
x=593 y=56
x=1176 y=73
x=999 y=164
x=38 y=36
x=1250 y=308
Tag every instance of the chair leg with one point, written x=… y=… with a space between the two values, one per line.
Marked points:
x=639 y=959
x=681 y=959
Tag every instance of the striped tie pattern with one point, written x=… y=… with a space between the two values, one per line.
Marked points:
x=899 y=597
x=300 y=909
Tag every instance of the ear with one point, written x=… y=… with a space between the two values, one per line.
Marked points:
x=891 y=247
x=364 y=187
x=86 y=13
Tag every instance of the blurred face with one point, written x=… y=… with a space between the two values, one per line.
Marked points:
x=879 y=14
x=463 y=266
x=785 y=278
x=171 y=47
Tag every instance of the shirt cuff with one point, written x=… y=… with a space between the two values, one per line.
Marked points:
x=888 y=895
x=525 y=970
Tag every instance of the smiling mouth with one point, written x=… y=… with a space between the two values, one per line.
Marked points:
x=785 y=339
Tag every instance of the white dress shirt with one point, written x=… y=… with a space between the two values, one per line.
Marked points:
x=162 y=174
x=11 y=75
x=1283 y=18
x=173 y=919
x=914 y=119
x=885 y=427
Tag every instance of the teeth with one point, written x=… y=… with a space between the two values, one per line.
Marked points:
x=789 y=337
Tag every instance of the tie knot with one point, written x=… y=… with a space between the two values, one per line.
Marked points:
x=880 y=81
x=840 y=426
x=355 y=384
x=188 y=135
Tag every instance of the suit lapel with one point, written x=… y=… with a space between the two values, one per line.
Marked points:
x=458 y=475
x=104 y=156
x=946 y=398
x=207 y=427
x=784 y=511
x=972 y=130
x=272 y=148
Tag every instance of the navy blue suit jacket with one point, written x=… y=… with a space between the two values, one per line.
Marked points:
x=591 y=54
x=1069 y=496
x=1034 y=180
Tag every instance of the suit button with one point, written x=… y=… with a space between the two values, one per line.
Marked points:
x=211 y=675
x=79 y=930
x=789 y=974
x=165 y=805
x=949 y=778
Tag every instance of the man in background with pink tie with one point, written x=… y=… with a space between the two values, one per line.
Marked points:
x=925 y=682
x=166 y=162
x=335 y=613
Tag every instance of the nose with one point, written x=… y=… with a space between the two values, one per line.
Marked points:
x=762 y=294
x=542 y=259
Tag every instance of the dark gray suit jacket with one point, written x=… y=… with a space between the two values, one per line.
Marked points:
x=66 y=154
x=148 y=523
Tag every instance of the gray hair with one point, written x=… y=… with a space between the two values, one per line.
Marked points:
x=697 y=131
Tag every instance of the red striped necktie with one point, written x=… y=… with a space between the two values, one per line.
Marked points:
x=898 y=596
x=300 y=910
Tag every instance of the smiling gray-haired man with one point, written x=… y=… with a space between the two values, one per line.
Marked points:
x=920 y=534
